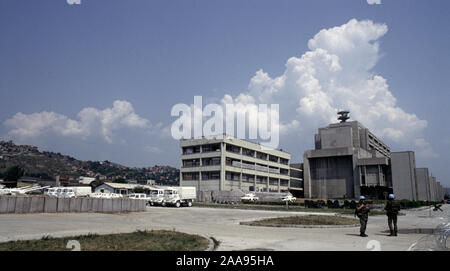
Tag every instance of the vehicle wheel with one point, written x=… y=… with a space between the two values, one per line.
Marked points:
x=177 y=204
x=189 y=203
x=152 y=204
x=163 y=204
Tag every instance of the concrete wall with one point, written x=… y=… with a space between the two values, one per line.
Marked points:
x=422 y=179
x=432 y=185
x=36 y=204
x=336 y=137
x=403 y=175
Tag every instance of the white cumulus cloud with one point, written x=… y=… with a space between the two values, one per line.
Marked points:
x=374 y=2
x=91 y=121
x=335 y=74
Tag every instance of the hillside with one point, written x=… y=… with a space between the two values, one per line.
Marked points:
x=50 y=164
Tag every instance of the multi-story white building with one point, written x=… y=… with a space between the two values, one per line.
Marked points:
x=225 y=163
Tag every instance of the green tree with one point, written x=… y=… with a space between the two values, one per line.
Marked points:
x=120 y=180
x=13 y=173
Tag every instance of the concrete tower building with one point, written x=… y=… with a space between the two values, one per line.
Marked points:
x=348 y=160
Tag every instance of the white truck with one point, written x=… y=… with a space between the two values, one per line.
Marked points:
x=156 y=196
x=181 y=195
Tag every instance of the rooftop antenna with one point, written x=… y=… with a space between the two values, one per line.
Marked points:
x=343 y=116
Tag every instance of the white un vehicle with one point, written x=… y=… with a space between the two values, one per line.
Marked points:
x=156 y=196
x=177 y=196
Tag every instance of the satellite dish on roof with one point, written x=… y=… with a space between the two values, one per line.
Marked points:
x=343 y=116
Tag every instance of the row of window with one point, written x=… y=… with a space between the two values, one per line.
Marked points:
x=202 y=148
x=232 y=176
x=234 y=149
x=213 y=161
x=253 y=166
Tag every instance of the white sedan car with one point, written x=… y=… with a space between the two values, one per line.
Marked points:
x=289 y=198
x=249 y=198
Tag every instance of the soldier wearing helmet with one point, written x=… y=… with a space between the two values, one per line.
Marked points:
x=362 y=211
x=392 y=208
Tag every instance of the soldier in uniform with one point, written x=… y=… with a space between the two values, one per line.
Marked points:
x=362 y=211
x=392 y=208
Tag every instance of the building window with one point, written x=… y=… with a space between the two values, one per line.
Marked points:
x=231 y=176
x=214 y=161
x=261 y=179
x=232 y=148
x=210 y=175
x=248 y=152
x=261 y=155
x=191 y=150
x=248 y=178
x=190 y=176
x=273 y=181
x=191 y=163
x=284 y=161
x=211 y=148
x=273 y=158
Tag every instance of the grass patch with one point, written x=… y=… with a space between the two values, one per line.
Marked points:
x=135 y=241
x=291 y=208
x=309 y=220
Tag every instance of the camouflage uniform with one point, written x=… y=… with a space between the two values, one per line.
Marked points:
x=392 y=208
x=363 y=215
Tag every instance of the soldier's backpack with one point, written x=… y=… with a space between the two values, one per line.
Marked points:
x=395 y=206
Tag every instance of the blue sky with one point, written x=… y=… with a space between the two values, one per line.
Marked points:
x=61 y=59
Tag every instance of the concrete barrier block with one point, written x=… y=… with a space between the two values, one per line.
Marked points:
x=37 y=205
x=26 y=205
x=133 y=206
x=19 y=205
x=50 y=205
x=97 y=205
x=12 y=204
x=125 y=205
x=86 y=204
x=3 y=205
x=107 y=205
x=117 y=205
x=75 y=205
x=63 y=205
x=143 y=206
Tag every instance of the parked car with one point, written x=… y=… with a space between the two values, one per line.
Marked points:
x=141 y=196
x=249 y=198
x=288 y=198
x=100 y=195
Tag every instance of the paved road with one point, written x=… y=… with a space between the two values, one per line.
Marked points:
x=222 y=224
